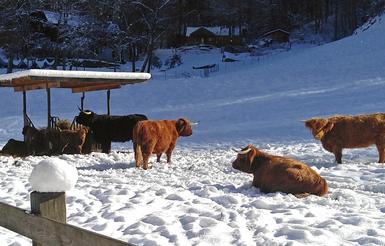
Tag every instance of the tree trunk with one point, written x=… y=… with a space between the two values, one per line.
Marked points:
x=336 y=20
x=147 y=61
x=10 y=63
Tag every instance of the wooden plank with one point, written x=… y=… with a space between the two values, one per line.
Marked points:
x=75 y=84
x=51 y=205
x=6 y=83
x=51 y=232
x=24 y=81
x=95 y=88
x=37 y=86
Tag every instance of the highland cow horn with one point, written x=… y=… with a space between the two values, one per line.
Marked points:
x=87 y=112
x=242 y=152
x=195 y=123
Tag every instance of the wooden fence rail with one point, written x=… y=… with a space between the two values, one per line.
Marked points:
x=50 y=232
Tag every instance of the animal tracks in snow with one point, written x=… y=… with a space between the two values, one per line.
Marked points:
x=200 y=200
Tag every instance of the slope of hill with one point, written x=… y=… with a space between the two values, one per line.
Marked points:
x=199 y=199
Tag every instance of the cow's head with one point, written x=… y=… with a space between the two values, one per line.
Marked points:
x=85 y=117
x=245 y=160
x=183 y=127
x=319 y=127
x=34 y=139
x=32 y=135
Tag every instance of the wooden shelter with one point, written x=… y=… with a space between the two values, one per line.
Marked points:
x=77 y=81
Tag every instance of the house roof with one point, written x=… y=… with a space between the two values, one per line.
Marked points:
x=276 y=30
x=78 y=81
x=216 y=30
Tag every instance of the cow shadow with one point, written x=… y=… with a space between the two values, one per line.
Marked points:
x=323 y=164
x=108 y=166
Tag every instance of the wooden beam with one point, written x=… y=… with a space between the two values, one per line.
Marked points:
x=50 y=232
x=108 y=102
x=82 y=100
x=51 y=205
x=37 y=86
x=49 y=107
x=25 y=109
x=24 y=81
x=74 y=84
x=95 y=88
x=6 y=83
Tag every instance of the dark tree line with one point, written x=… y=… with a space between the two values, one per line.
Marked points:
x=137 y=27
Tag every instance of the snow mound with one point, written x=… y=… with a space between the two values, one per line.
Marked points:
x=53 y=175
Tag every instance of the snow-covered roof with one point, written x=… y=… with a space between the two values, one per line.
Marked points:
x=216 y=30
x=276 y=30
x=72 y=20
x=92 y=80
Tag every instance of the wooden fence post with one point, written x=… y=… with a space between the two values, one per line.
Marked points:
x=50 y=205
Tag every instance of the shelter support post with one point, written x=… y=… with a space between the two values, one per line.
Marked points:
x=82 y=100
x=49 y=107
x=25 y=108
x=108 y=101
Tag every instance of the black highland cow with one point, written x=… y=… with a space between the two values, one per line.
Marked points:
x=109 y=128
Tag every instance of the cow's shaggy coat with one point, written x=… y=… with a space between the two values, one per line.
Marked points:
x=52 y=141
x=109 y=128
x=158 y=137
x=339 y=132
x=15 y=148
x=276 y=173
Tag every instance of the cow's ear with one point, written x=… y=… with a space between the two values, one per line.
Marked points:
x=180 y=125
x=257 y=162
x=251 y=159
x=329 y=126
x=325 y=129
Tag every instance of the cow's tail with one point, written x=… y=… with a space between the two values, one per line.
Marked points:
x=138 y=155
x=137 y=148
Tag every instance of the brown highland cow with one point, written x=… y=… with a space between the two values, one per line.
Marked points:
x=339 y=132
x=277 y=173
x=157 y=137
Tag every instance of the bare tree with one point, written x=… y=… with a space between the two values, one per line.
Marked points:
x=154 y=19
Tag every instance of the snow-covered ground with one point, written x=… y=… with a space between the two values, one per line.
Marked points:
x=199 y=198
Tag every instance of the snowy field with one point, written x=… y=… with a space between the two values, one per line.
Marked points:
x=199 y=199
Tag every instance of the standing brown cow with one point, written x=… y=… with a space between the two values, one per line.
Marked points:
x=339 y=132
x=276 y=173
x=157 y=137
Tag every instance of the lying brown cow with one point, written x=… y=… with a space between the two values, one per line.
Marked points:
x=339 y=132
x=15 y=148
x=53 y=141
x=72 y=141
x=276 y=173
x=157 y=137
